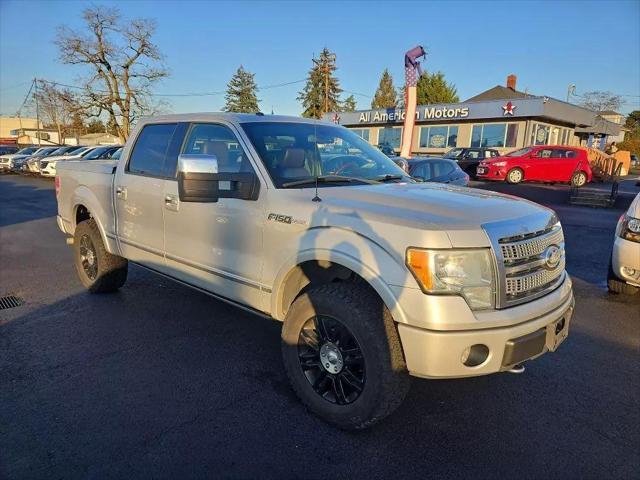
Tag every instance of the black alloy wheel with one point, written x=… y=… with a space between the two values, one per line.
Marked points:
x=88 y=257
x=331 y=360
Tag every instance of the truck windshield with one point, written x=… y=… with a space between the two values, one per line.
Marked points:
x=294 y=152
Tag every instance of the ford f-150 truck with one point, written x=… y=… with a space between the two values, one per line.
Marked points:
x=375 y=276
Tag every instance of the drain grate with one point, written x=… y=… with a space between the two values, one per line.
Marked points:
x=10 y=301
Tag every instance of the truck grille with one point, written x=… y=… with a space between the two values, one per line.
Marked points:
x=533 y=264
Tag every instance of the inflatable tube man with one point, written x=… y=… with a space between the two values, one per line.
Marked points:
x=412 y=73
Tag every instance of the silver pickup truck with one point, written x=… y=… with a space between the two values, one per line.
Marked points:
x=375 y=276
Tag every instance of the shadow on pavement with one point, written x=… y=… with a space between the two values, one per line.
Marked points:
x=30 y=199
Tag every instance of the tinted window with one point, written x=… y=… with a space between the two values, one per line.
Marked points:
x=218 y=140
x=544 y=153
x=148 y=153
x=441 y=169
x=303 y=150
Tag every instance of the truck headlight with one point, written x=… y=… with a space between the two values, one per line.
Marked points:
x=468 y=273
x=629 y=228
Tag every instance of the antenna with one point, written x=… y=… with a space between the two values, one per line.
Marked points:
x=316 y=198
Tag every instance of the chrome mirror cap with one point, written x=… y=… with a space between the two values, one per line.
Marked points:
x=197 y=163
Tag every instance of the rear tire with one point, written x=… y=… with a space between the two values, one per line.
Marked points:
x=98 y=270
x=515 y=176
x=579 y=179
x=347 y=324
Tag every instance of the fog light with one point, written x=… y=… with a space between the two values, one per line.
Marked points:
x=630 y=272
x=475 y=355
x=559 y=326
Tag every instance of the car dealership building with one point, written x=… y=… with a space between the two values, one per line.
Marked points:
x=501 y=118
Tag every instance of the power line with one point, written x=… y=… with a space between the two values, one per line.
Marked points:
x=199 y=94
x=26 y=98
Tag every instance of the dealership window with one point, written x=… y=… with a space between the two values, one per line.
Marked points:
x=494 y=135
x=390 y=136
x=438 y=137
x=362 y=133
x=540 y=134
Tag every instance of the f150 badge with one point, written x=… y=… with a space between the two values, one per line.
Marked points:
x=276 y=217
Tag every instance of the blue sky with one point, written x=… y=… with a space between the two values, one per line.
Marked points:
x=547 y=44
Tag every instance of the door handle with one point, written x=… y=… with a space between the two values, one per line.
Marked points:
x=121 y=193
x=171 y=202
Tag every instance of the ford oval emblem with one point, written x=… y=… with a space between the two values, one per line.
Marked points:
x=552 y=257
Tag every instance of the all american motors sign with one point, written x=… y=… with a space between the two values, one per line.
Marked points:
x=426 y=113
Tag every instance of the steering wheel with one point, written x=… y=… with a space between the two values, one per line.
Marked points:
x=350 y=161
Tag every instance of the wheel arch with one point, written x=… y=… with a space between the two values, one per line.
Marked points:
x=85 y=206
x=325 y=266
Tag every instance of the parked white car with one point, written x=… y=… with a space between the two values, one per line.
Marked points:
x=624 y=270
x=99 y=152
x=32 y=164
x=9 y=161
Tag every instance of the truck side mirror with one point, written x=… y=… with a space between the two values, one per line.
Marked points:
x=199 y=181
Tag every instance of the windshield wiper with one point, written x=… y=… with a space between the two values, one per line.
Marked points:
x=390 y=178
x=327 y=179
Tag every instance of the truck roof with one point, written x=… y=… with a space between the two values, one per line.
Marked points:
x=229 y=117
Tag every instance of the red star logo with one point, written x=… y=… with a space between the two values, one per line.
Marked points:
x=508 y=108
x=336 y=118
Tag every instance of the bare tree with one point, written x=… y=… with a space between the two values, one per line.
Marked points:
x=124 y=64
x=57 y=107
x=599 y=101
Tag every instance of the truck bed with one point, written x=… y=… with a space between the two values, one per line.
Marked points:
x=88 y=183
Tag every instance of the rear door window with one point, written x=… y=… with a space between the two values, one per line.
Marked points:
x=441 y=169
x=150 y=149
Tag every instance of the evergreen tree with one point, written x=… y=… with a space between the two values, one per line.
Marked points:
x=386 y=96
x=314 y=93
x=433 y=88
x=349 y=104
x=241 y=93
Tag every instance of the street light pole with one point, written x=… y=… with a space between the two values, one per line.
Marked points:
x=570 y=91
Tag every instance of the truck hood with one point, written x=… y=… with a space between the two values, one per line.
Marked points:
x=432 y=205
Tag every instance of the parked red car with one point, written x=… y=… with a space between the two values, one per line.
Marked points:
x=544 y=163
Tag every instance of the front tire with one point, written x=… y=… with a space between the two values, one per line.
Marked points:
x=579 y=179
x=343 y=356
x=98 y=270
x=515 y=176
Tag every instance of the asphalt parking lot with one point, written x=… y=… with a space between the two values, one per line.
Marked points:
x=160 y=381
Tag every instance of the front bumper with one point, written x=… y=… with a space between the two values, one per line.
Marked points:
x=5 y=167
x=439 y=353
x=491 y=173
x=624 y=258
x=48 y=171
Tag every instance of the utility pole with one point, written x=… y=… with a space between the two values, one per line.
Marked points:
x=35 y=95
x=326 y=69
